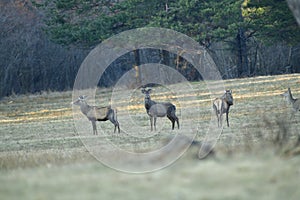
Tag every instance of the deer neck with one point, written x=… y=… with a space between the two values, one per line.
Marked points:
x=149 y=103
x=290 y=98
x=85 y=108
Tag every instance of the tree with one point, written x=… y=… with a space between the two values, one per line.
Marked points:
x=85 y=23
x=295 y=7
x=29 y=62
x=236 y=22
x=271 y=21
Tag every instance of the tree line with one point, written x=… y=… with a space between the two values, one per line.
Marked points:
x=29 y=61
x=44 y=42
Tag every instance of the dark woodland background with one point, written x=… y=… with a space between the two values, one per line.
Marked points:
x=43 y=42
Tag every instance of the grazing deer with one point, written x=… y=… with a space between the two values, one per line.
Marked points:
x=94 y=113
x=295 y=102
x=158 y=109
x=222 y=105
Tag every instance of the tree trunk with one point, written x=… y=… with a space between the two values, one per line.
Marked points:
x=164 y=57
x=242 y=55
x=136 y=67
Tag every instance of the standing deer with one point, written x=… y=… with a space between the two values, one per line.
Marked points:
x=295 y=102
x=159 y=109
x=222 y=105
x=94 y=113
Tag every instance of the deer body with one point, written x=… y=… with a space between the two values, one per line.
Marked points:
x=158 y=109
x=295 y=102
x=94 y=113
x=222 y=105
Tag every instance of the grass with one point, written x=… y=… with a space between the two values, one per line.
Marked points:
x=42 y=152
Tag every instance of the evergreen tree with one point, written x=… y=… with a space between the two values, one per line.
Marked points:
x=234 y=22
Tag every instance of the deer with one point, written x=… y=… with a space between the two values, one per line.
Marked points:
x=221 y=105
x=159 y=109
x=94 y=113
x=295 y=102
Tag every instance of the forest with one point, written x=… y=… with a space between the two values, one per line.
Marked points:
x=44 y=42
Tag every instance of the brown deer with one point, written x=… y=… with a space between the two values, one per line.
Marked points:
x=159 y=109
x=221 y=105
x=94 y=113
x=295 y=102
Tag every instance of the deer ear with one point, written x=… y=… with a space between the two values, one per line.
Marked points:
x=143 y=90
x=149 y=90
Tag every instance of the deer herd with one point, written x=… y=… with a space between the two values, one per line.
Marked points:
x=155 y=109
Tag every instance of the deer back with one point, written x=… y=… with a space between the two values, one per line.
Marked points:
x=98 y=112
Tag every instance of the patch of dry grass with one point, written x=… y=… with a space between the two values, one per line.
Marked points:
x=43 y=157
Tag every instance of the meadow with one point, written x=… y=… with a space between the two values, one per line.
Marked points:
x=45 y=145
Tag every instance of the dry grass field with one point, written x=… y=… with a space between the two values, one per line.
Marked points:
x=44 y=156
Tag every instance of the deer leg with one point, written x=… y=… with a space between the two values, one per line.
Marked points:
x=151 y=123
x=218 y=118
x=94 y=128
x=221 y=120
x=175 y=118
x=116 y=123
x=118 y=127
x=227 y=118
x=173 y=124
x=172 y=120
x=177 y=122
x=155 y=123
